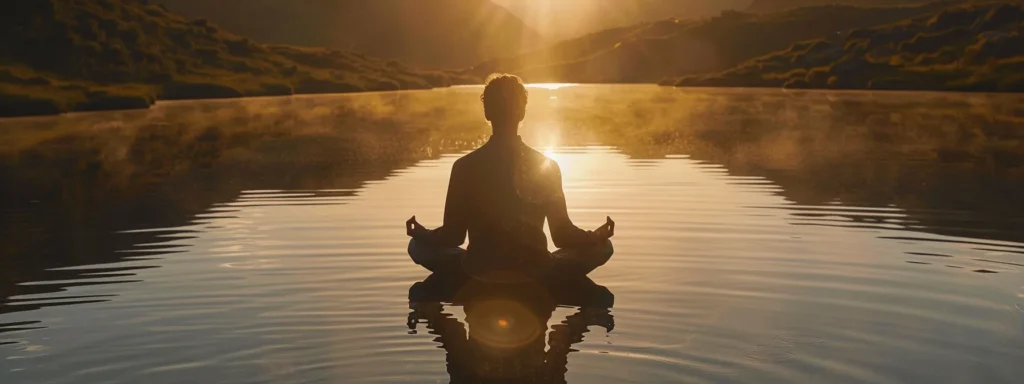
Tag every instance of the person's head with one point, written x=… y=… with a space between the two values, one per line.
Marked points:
x=504 y=100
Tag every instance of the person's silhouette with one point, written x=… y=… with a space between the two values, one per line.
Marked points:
x=507 y=324
x=501 y=194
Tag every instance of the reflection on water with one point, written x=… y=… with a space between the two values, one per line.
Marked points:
x=507 y=325
x=764 y=236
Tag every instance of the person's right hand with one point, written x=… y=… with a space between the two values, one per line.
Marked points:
x=413 y=228
x=606 y=231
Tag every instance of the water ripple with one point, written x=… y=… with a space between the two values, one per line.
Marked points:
x=717 y=278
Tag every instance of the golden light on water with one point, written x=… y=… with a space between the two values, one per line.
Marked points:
x=551 y=86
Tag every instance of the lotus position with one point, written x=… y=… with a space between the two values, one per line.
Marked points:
x=500 y=194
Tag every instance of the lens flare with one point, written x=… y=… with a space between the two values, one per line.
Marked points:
x=503 y=325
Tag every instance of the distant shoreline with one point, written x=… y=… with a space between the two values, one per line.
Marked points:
x=39 y=107
x=887 y=90
x=115 y=107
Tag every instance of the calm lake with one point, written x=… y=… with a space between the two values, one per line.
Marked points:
x=763 y=236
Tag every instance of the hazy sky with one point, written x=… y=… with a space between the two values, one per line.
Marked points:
x=567 y=18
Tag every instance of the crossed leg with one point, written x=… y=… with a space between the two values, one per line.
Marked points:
x=435 y=259
x=579 y=261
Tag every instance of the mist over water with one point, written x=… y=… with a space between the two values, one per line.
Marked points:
x=763 y=236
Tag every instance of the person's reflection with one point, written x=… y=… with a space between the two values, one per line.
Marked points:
x=507 y=325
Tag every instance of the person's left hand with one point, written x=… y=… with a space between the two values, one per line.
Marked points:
x=413 y=228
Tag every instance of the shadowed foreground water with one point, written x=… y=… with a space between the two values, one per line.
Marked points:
x=762 y=236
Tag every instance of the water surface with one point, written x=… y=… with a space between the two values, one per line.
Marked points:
x=763 y=236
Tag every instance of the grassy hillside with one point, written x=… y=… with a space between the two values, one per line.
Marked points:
x=564 y=19
x=972 y=47
x=78 y=55
x=785 y=5
x=426 y=34
x=575 y=50
x=652 y=51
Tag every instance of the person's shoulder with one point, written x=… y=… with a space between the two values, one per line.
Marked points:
x=467 y=160
x=469 y=157
x=539 y=159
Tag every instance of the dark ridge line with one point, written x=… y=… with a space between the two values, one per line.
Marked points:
x=154 y=247
x=846 y=210
x=831 y=208
x=19 y=323
x=26 y=307
x=84 y=271
x=9 y=330
x=77 y=284
x=50 y=298
x=1001 y=262
x=144 y=257
x=927 y=254
x=873 y=228
x=104 y=274
x=283 y=205
x=169 y=239
x=858 y=216
x=1021 y=247
x=158 y=232
x=143 y=253
x=200 y=219
x=44 y=303
x=1000 y=250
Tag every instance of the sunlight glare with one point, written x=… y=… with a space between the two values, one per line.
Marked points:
x=559 y=158
x=551 y=86
x=549 y=153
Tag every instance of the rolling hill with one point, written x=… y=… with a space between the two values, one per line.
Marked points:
x=785 y=5
x=970 y=47
x=564 y=19
x=78 y=55
x=427 y=34
x=649 y=52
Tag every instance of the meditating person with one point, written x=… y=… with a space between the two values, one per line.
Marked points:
x=501 y=194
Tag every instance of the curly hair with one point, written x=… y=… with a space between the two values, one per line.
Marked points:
x=504 y=97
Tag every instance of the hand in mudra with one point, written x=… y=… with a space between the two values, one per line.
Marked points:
x=606 y=231
x=413 y=228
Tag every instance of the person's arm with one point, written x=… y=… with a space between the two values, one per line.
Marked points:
x=564 y=233
x=452 y=233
